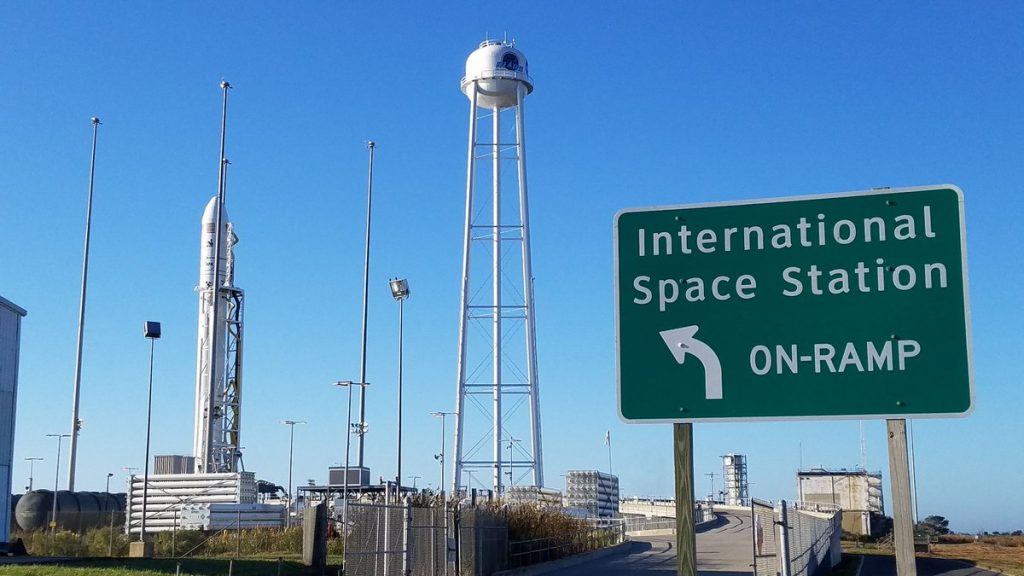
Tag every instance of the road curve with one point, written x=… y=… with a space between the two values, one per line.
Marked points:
x=722 y=550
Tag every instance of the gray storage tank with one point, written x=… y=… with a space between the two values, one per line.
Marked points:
x=76 y=511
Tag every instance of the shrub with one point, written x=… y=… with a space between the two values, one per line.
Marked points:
x=106 y=542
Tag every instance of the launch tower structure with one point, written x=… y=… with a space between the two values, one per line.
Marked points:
x=218 y=413
x=217 y=439
x=497 y=427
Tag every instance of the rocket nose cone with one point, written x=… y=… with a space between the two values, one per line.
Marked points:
x=210 y=214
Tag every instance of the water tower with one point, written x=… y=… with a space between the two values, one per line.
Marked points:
x=497 y=432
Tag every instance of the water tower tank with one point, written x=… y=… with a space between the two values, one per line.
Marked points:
x=499 y=68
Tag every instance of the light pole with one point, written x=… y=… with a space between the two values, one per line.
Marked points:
x=56 y=480
x=151 y=330
x=109 y=474
x=511 y=479
x=400 y=292
x=344 y=486
x=440 y=457
x=31 y=467
x=291 y=449
x=444 y=496
x=366 y=289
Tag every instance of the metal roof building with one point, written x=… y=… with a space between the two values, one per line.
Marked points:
x=10 y=345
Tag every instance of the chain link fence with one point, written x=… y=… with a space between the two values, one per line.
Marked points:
x=482 y=542
x=766 y=561
x=602 y=533
x=376 y=539
x=813 y=539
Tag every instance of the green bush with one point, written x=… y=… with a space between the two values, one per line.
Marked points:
x=62 y=543
x=106 y=542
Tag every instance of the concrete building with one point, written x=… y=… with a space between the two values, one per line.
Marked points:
x=858 y=493
x=10 y=346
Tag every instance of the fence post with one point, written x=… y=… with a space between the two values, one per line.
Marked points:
x=238 y=531
x=457 y=528
x=784 y=540
x=407 y=538
x=385 y=552
x=110 y=548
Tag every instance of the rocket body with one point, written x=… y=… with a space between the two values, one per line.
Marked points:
x=208 y=412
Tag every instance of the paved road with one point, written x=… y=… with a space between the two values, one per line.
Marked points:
x=722 y=550
x=886 y=566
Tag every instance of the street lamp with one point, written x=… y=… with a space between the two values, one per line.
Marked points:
x=440 y=457
x=31 y=466
x=348 y=440
x=511 y=479
x=56 y=480
x=400 y=291
x=109 y=474
x=151 y=330
x=291 y=448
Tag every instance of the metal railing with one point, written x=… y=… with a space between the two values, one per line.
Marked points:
x=601 y=535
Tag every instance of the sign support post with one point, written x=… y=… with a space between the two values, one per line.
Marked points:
x=686 y=537
x=902 y=519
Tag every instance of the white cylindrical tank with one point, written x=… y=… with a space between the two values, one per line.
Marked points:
x=498 y=69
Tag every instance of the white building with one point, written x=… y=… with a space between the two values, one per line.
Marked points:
x=858 y=493
x=10 y=346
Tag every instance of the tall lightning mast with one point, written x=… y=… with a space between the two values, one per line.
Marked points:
x=219 y=343
x=497 y=81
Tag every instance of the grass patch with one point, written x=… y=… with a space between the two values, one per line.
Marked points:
x=1002 y=553
x=160 y=567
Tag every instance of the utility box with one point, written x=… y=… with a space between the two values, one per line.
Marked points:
x=357 y=477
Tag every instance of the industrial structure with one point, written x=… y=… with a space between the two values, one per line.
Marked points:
x=595 y=492
x=497 y=431
x=71 y=511
x=858 y=493
x=173 y=464
x=10 y=348
x=734 y=471
x=543 y=497
x=212 y=477
x=218 y=413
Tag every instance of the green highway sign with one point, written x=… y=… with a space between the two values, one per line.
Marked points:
x=846 y=305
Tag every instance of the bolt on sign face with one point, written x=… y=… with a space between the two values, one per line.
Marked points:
x=849 y=305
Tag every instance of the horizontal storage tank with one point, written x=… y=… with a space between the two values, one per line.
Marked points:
x=14 y=504
x=75 y=510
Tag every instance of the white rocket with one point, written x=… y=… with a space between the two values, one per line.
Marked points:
x=218 y=351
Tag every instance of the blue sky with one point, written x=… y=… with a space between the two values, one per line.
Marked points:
x=639 y=104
